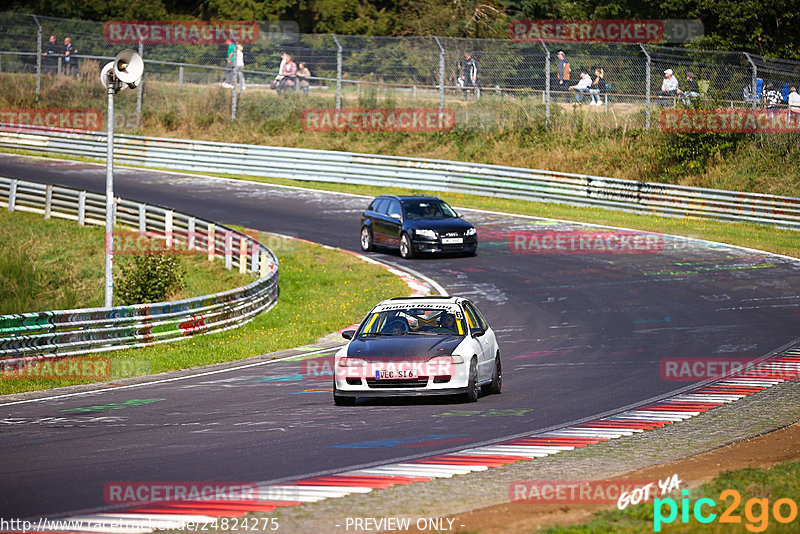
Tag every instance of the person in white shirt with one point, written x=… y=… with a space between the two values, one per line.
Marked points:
x=794 y=104
x=582 y=87
x=669 y=87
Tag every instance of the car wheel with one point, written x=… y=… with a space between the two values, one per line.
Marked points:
x=405 y=247
x=496 y=385
x=472 y=385
x=339 y=400
x=366 y=240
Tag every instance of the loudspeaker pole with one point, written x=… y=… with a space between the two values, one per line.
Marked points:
x=109 y=291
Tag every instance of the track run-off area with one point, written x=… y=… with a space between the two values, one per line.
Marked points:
x=583 y=331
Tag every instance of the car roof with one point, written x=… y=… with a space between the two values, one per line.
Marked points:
x=432 y=299
x=402 y=198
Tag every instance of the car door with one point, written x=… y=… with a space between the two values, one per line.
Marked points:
x=484 y=344
x=378 y=217
x=394 y=222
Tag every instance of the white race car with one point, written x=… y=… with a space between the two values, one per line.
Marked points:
x=418 y=346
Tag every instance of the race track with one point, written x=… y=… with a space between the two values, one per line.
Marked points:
x=580 y=334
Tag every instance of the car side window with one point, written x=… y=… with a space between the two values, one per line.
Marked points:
x=477 y=318
x=379 y=205
x=472 y=321
x=394 y=208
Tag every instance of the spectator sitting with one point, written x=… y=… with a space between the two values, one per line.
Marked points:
x=288 y=74
x=303 y=74
x=598 y=87
x=772 y=98
x=669 y=87
x=794 y=103
x=274 y=83
x=582 y=87
x=692 y=90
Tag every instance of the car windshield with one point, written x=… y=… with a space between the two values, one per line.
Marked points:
x=428 y=209
x=418 y=320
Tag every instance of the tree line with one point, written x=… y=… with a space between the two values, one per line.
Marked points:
x=765 y=27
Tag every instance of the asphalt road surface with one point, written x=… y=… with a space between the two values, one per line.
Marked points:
x=581 y=332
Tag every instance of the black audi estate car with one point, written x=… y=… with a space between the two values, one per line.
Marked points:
x=416 y=225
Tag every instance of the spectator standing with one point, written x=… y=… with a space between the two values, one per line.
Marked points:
x=598 y=87
x=70 y=61
x=304 y=75
x=51 y=53
x=469 y=75
x=669 y=87
x=239 y=68
x=582 y=87
x=794 y=104
x=563 y=73
x=692 y=90
x=230 y=63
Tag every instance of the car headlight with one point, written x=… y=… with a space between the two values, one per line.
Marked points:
x=471 y=231
x=352 y=362
x=427 y=234
x=456 y=358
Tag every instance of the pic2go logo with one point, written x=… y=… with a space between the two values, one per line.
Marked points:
x=756 y=511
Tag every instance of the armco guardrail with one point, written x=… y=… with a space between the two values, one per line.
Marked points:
x=435 y=175
x=71 y=332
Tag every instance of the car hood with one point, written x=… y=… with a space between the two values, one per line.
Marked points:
x=440 y=225
x=403 y=347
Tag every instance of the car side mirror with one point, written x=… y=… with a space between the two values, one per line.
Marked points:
x=348 y=334
x=396 y=216
x=478 y=332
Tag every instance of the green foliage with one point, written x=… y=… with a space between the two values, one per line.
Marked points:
x=149 y=278
x=19 y=280
x=682 y=154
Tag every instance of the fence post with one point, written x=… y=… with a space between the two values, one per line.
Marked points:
x=646 y=89
x=38 y=56
x=234 y=100
x=263 y=264
x=441 y=73
x=12 y=195
x=338 y=72
x=228 y=249
x=180 y=77
x=254 y=258
x=546 y=85
x=82 y=208
x=242 y=254
x=142 y=218
x=140 y=88
x=168 y=216
x=59 y=65
x=211 y=242
x=755 y=78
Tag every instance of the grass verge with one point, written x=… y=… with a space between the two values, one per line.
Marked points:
x=322 y=290
x=55 y=264
x=758 y=490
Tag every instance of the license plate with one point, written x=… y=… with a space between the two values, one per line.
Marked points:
x=452 y=240
x=395 y=375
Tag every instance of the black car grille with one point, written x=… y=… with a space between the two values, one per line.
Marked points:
x=420 y=382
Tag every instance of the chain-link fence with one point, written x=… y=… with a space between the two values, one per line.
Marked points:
x=517 y=82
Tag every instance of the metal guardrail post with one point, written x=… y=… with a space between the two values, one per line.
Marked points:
x=228 y=250
x=190 y=241
x=59 y=66
x=755 y=79
x=141 y=86
x=338 y=72
x=12 y=195
x=180 y=77
x=82 y=208
x=48 y=200
x=646 y=89
x=38 y=56
x=142 y=218
x=441 y=73
x=546 y=85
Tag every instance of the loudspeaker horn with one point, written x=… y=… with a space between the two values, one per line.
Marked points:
x=128 y=67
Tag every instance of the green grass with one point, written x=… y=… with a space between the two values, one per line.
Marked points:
x=779 y=482
x=322 y=290
x=55 y=264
